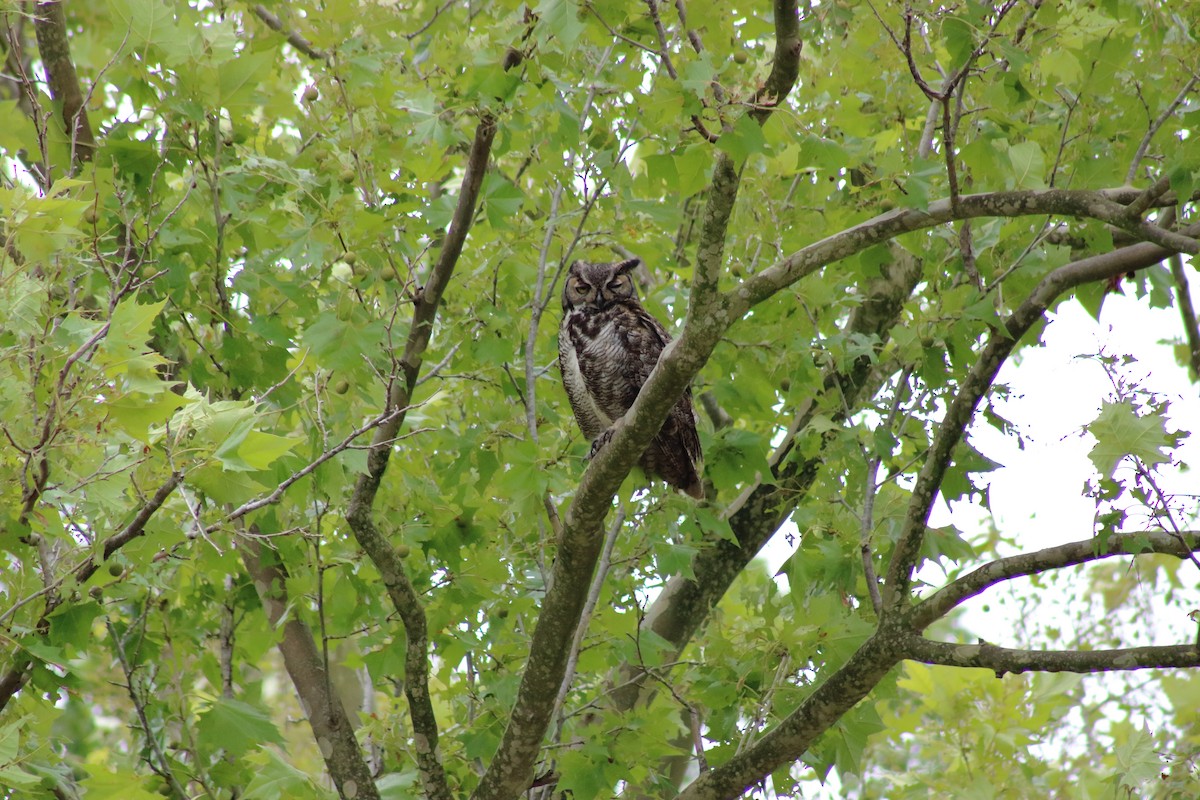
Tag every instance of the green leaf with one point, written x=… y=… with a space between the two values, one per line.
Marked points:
x=1120 y=432
x=239 y=77
x=1028 y=166
x=105 y=783
x=259 y=450
x=71 y=624
x=235 y=727
x=744 y=140
x=275 y=779
x=561 y=18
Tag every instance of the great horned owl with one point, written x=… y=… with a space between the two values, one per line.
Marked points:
x=607 y=346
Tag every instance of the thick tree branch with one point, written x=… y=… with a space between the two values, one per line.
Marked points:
x=1025 y=564
x=785 y=65
x=50 y=26
x=1003 y=660
x=331 y=726
x=788 y=740
x=511 y=770
x=1106 y=205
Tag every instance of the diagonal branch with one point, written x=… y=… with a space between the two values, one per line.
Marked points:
x=359 y=512
x=685 y=602
x=788 y=740
x=17 y=673
x=973 y=583
x=293 y=37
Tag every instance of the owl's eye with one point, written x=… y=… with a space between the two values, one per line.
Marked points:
x=618 y=283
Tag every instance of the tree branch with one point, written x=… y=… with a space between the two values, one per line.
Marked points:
x=359 y=514
x=1003 y=660
x=1187 y=313
x=1155 y=125
x=50 y=26
x=973 y=583
x=1106 y=205
x=293 y=37
x=331 y=726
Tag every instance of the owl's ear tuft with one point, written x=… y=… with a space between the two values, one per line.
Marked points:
x=625 y=266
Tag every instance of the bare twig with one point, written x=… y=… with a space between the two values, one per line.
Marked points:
x=1157 y=124
x=1187 y=312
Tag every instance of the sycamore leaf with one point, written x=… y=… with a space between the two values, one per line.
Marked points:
x=1120 y=432
x=114 y=784
x=235 y=727
x=259 y=450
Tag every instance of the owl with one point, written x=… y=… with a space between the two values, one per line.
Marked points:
x=607 y=346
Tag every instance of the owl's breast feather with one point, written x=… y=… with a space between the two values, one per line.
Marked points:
x=592 y=419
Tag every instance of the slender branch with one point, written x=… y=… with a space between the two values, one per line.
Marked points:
x=1155 y=125
x=160 y=765
x=277 y=493
x=359 y=514
x=870 y=490
x=1187 y=312
x=1003 y=660
x=293 y=37
x=18 y=671
x=589 y=607
x=973 y=583
x=537 y=307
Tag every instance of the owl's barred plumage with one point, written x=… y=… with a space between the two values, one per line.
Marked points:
x=607 y=346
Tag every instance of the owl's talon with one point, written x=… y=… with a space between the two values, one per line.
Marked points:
x=599 y=442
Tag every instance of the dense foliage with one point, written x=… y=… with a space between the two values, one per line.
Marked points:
x=291 y=498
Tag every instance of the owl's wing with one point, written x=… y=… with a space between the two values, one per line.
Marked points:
x=683 y=419
x=643 y=338
x=647 y=338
